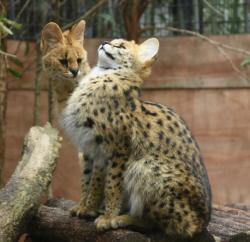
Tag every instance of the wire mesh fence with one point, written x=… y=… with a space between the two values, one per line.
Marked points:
x=108 y=20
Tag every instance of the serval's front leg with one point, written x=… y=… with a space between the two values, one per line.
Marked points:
x=90 y=203
x=113 y=196
x=86 y=165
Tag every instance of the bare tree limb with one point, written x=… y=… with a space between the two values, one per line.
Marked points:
x=220 y=47
x=25 y=5
x=7 y=54
x=213 y=42
x=91 y=11
x=53 y=223
x=209 y=5
x=22 y=195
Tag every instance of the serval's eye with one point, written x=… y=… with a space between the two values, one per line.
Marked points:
x=122 y=46
x=79 y=60
x=64 y=62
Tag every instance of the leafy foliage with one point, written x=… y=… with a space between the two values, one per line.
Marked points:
x=245 y=62
x=6 y=28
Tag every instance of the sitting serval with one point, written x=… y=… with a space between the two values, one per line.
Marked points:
x=154 y=164
x=65 y=61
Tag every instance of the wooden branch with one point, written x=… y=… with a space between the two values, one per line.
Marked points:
x=91 y=11
x=211 y=41
x=22 y=195
x=53 y=223
x=7 y=54
x=220 y=47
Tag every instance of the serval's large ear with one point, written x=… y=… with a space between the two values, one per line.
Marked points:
x=51 y=36
x=77 y=31
x=148 y=50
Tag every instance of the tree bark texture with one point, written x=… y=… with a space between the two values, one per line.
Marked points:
x=53 y=223
x=28 y=185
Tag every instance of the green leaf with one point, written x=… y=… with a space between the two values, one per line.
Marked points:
x=15 y=73
x=4 y=29
x=16 y=61
x=245 y=62
x=12 y=23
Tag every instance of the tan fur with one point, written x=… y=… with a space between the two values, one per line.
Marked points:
x=145 y=151
x=55 y=46
x=68 y=45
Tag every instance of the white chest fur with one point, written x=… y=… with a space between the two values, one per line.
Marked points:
x=74 y=117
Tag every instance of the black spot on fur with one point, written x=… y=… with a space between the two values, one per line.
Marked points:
x=89 y=123
x=132 y=105
x=107 y=80
x=87 y=171
x=156 y=168
x=115 y=87
x=128 y=93
x=165 y=152
x=154 y=104
x=176 y=124
x=98 y=139
x=169 y=117
x=95 y=112
x=147 y=112
x=161 y=135
x=110 y=119
x=162 y=205
x=102 y=110
x=171 y=129
x=167 y=141
x=180 y=134
x=123 y=166
x=86 y=158
x=116 y=103
x=159 y=121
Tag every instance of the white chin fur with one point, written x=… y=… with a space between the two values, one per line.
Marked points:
x=104 y=60
x=70 y=74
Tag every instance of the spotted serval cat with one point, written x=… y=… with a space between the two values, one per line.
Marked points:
x=140 y=154
x=65 y=61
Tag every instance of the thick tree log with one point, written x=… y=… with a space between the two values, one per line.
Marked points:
x=22 y=195
x=53 y=223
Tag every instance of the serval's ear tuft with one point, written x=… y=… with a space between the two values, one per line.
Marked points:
x=77 y=31
x=51 y=36
x=148 y=50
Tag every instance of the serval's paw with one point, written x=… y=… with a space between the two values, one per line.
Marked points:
x=111 y=222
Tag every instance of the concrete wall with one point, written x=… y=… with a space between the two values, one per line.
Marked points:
x=191 y=76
